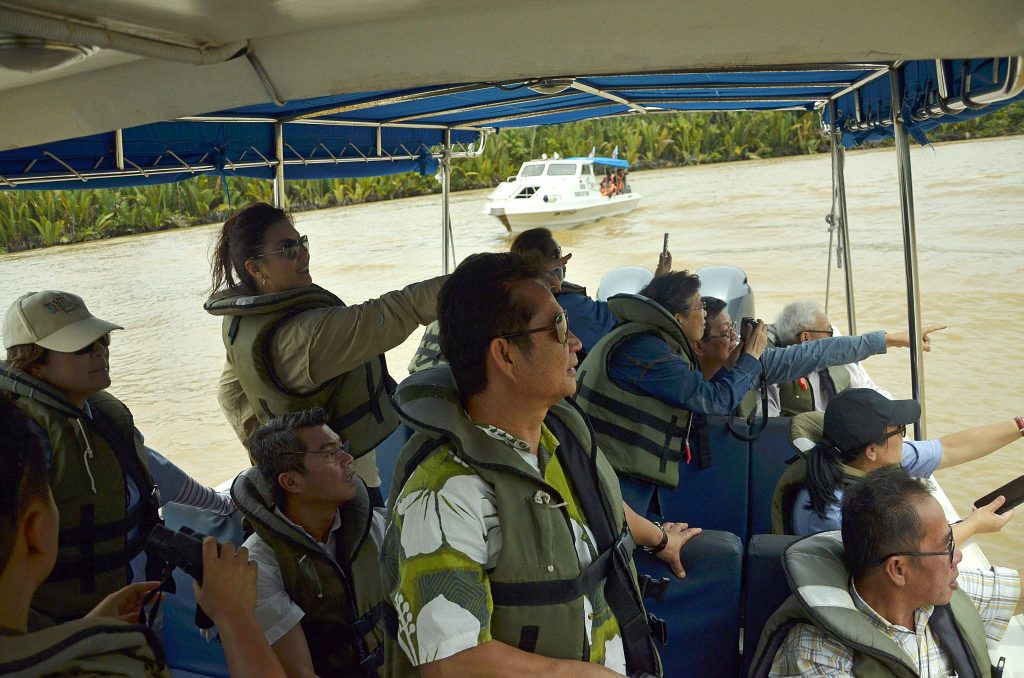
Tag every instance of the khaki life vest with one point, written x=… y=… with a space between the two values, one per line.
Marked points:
x=341 y=597
x=819 y=582
x=357 y=402
x=84 y=647
x=428 y=353
x=92 y=458
x=805 y=432
x=798 y=395
x=537 y=586
x=642 y=436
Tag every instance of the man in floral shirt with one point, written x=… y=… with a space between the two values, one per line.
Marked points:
x=507 y=494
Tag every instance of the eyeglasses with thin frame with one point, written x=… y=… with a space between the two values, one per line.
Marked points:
x=290 y=250
x=950 y=551
x=103 y=341
x=560 y=326
x=829 y=332
x=332 y=453
x=701 y=307
x=729 y=333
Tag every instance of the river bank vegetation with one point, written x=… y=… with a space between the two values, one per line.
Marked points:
x=30 y=219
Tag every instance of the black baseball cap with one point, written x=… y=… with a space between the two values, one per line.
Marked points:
x=858 y=416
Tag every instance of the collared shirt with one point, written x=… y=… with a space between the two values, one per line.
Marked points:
x=446 y=520
x=276 y=612
x=807 y=651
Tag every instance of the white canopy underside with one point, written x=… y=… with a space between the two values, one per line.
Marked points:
x=315 y=48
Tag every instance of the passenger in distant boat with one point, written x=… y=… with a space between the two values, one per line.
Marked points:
x=805 y=321
x=107 y=483
x=292 y=345
x=317 y=542
x=720 y=347
x=640 y=385
x=862 y=431
x=462 y=548
x=101 y=643
x=888 y=599
x=620 y=180
x=607 y=184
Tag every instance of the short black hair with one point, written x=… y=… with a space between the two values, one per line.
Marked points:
x=476 y=305
x=713 y=306
x=25 y=476
x=536 y=242
x=273 y=446
x=672 y=289
x=880 y=517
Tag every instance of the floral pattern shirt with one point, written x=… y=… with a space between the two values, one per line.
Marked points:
x=443 y=538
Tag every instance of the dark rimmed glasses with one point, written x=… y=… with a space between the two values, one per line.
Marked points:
x=103 y=341
x=332 y=453
x=829 y=332
x=560 y=326
x=950 y=551
x=900 y=431
x=290 y=250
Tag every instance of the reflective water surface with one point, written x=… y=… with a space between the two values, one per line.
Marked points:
x=763 y=216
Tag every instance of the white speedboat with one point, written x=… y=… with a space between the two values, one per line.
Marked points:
x=559 y=192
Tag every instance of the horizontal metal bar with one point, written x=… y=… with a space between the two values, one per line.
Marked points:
x=725 y=87
x=334 y=123
x=387 y=101
x=859 y=83
x=596 y=91
x=480 y=107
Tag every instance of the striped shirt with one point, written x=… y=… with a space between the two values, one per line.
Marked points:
x=807 y=651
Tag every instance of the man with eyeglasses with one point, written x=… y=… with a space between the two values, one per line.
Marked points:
x=317 y=544
x=887 y=598
x=509 y=548
x=804 y=321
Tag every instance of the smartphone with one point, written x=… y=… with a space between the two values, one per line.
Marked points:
x=664 y=244
x=1013 y=491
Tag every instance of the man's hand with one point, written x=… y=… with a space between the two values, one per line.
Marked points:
x=126 y=603
x=678 y=534
x=229 y=582
x=902 y=339
x=664 y=263
x=757 y=341
x=983 y=520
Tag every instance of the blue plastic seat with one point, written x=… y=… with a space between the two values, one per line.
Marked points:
x=765 y=585
x=387 y=455
x=768 y=457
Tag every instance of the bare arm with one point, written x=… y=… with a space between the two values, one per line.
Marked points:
x=646 y=533
x=902 y=339
x=495 y=658
x=293 y=652
x=974 y=443
x=982 y=521
x=228 y=595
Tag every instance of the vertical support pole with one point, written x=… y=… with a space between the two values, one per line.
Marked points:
x=909 y=247
x=279 y=198
x=839 y=181
x=446 y=186
x=119 y=149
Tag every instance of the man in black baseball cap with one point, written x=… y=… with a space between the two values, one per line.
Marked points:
x=861 y=431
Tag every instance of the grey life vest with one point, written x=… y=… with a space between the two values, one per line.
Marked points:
x=92 y=458
x=537 y=586
x=642 y=436
x=428 y=353
x=820 y=584
x=358 y=402
x=341 y=597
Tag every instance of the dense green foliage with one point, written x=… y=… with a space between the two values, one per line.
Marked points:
x=42 y=218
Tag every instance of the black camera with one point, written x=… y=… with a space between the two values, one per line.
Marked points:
x=183 y=549
x=747 y=325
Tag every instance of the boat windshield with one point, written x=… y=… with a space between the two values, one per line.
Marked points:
x=534 y=170
x=562 y=169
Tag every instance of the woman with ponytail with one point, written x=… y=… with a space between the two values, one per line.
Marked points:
x=864 y=431
x=292 y=345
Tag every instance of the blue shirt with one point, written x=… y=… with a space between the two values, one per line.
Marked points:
x=588 y=319
x=920 y=458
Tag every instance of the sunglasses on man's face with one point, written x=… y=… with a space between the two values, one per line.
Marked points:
x=290 y=248
x=103 y=341
x=560 y=326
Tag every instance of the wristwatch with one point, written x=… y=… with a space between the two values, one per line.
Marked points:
x=661 y=545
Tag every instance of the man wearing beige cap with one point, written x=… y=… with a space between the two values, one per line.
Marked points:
x=101 y=473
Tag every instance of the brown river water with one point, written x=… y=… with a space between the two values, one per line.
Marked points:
x=764 y=216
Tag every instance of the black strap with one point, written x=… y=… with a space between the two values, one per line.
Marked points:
x=528 y=638
x=233 y=328
x=368 y=622
x=635 y=440
x=76 y=536
x=628 y=412
x=556 y=592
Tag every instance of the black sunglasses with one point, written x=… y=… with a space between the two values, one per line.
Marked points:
x=290 y=249
x=102 y=341
x=900 y=431
x=560 y=326
x=950 y=551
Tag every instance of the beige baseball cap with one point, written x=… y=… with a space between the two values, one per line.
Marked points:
x=55 y=320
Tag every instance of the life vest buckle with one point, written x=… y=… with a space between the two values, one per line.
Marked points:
x=659 y=629
x=653 y=588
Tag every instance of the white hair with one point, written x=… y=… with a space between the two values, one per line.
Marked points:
x=796 y=317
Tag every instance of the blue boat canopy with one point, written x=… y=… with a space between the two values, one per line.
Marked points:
x=390 y=131
x=610 y=162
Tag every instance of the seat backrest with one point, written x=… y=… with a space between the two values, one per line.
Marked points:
x=766 y=587
x=387 y=455
x=768 y=456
